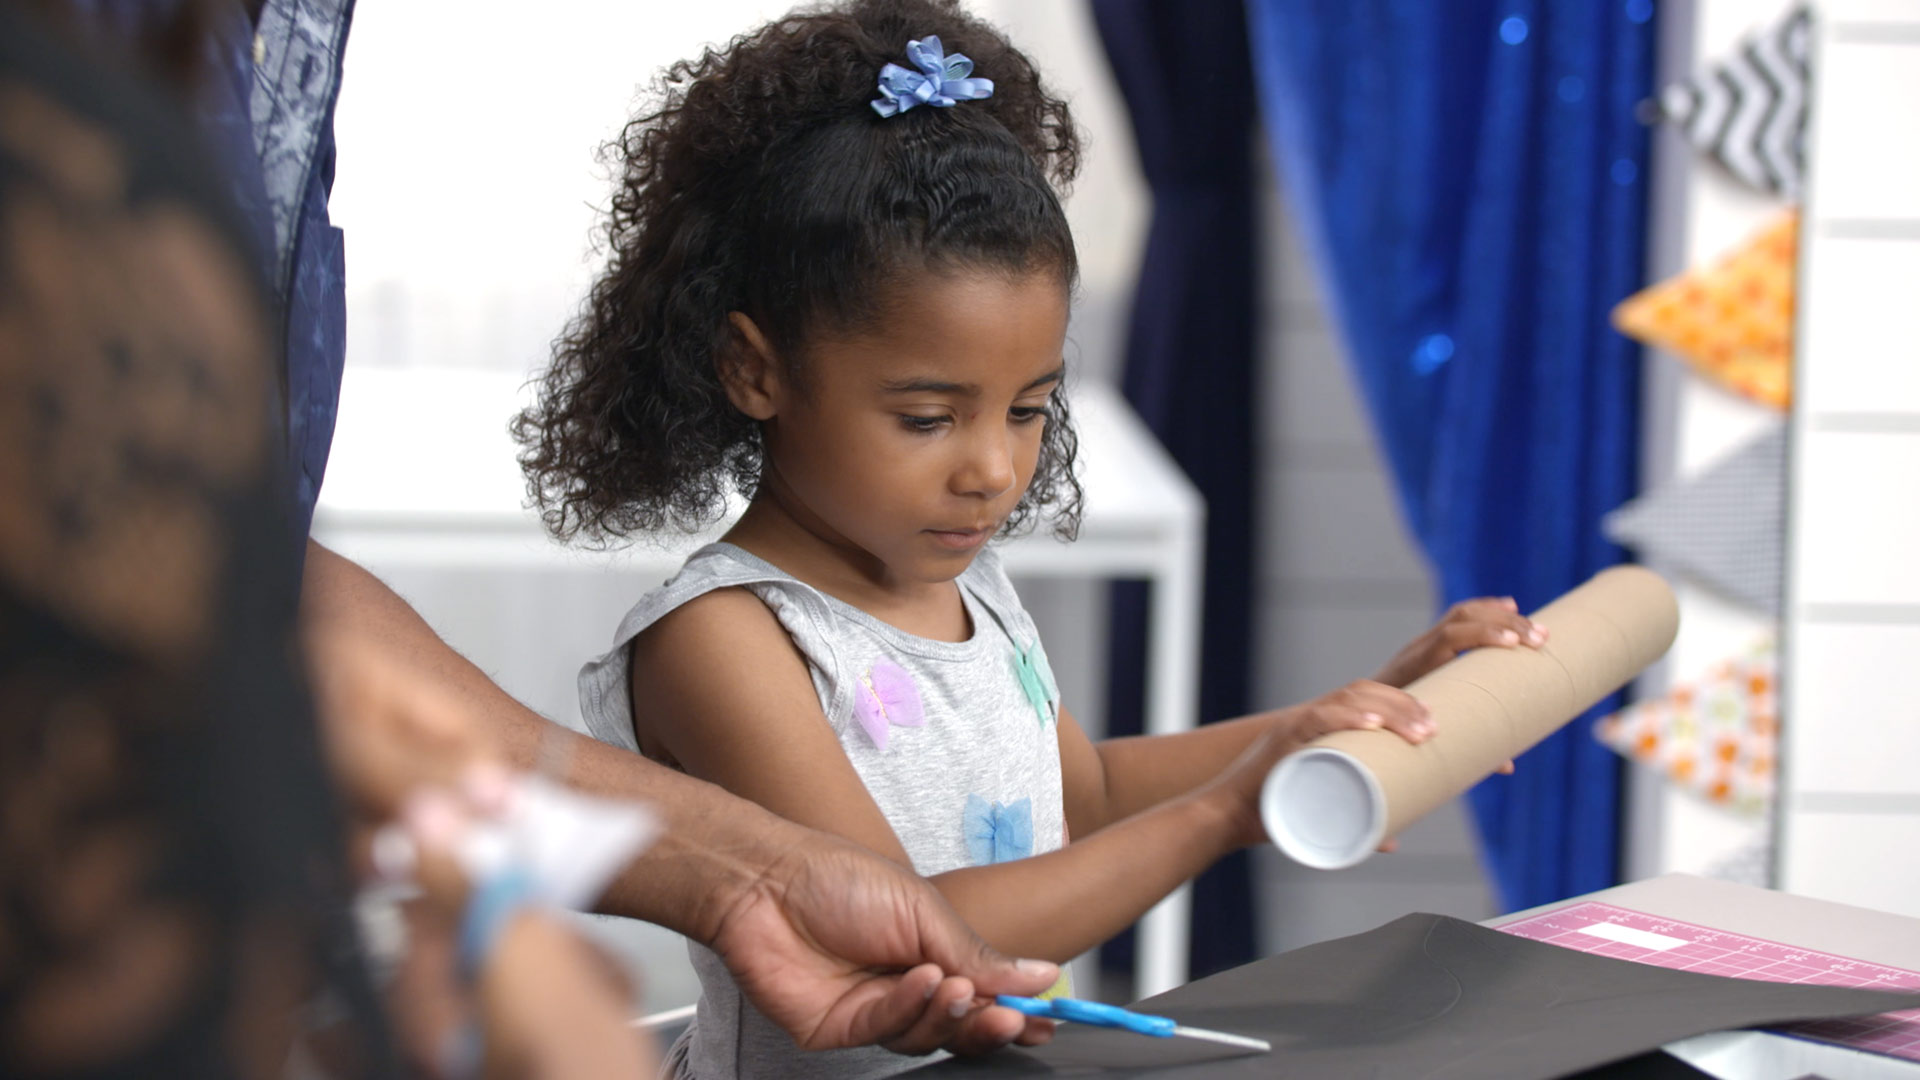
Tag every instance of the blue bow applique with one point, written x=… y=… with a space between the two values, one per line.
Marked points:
x=942 y=80
x=1036 y=679
x=997 y=833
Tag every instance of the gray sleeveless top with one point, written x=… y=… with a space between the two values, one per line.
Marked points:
x=954 y=740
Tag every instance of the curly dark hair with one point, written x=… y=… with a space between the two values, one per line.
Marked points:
x=763 y=182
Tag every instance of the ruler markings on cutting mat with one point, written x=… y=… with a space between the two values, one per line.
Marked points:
x=1605 y=930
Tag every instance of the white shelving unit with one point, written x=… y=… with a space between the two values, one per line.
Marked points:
x=1849 y=813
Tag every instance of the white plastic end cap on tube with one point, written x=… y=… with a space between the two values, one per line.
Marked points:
x=1324 y=809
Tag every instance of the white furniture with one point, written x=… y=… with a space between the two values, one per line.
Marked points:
x=423 y=490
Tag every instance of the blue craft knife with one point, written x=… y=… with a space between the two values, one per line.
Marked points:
x=1113 y=1016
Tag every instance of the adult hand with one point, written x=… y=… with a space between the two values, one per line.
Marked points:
x=387 y=729
x=833 y=943
x=1470 y=624
x=843 y=948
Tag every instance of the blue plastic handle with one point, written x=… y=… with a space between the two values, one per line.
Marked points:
x=1091 y=1012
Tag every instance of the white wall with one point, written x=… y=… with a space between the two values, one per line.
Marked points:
x=1850 y=804
x=468 y=182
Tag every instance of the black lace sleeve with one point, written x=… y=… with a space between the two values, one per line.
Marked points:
x=172 y=887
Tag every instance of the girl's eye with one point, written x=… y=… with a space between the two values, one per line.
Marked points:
x=1027 y=414
x=923 y=424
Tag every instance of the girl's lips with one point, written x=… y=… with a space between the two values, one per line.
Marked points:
x=960 y=539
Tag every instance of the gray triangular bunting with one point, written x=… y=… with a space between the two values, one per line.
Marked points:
x=1723 y=528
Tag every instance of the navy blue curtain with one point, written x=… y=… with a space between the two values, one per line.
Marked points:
x=1471 y=179
x=1183 y=68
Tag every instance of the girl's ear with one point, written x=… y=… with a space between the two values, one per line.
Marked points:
x=749 y=370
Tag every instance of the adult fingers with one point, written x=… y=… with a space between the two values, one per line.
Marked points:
x=948 y=941
x=434 y=822
x=989 y=1027
x=943 y=1003
x=1039 y=1031
x=951 y=1018
x=877 y=1009
x=954 y=946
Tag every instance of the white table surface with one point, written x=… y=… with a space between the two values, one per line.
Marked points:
x=423 y=488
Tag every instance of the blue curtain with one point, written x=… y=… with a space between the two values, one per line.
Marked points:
x=1471 y=180
x=1184 y=71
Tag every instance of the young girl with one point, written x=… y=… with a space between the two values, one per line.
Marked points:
x=839 y=284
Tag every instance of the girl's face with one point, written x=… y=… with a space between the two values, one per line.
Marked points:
x=907 y=446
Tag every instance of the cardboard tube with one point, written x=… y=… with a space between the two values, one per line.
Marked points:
x=1333 y=802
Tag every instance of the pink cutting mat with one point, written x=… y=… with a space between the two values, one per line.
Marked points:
x=1605 y=930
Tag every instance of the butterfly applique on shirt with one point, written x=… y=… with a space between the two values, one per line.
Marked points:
x=998 y=832
x=1002 y=832
x=887 y=698
x=1036 y=679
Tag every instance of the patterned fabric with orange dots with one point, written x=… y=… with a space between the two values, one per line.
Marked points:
x=1733 y=322
x=1716 y=737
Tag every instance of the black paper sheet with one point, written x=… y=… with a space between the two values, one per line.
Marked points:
x=1653 y=1065
x=1428 y=996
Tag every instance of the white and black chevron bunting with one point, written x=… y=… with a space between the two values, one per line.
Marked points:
x=1750 y=111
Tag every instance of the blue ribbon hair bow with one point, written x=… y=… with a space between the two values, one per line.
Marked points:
x=942 y=80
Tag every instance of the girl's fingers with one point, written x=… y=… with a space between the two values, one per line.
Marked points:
x=1412 y=727
x=1459 y=637
x=1502 y=630
x=1396 y=710
x=1330 y=718
x=1481 y=608
x=1531 y=633
x=1505 y=614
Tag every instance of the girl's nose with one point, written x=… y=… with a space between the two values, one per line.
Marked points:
x=987 y=469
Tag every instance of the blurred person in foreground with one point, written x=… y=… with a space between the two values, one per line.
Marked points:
x=173 y=874
x=839 y=947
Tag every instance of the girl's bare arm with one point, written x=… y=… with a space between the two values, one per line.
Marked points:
x=1117 y=778
x=745 y=715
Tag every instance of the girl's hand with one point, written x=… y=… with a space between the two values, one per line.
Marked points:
x=1470 y=624
x=1359 y=706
